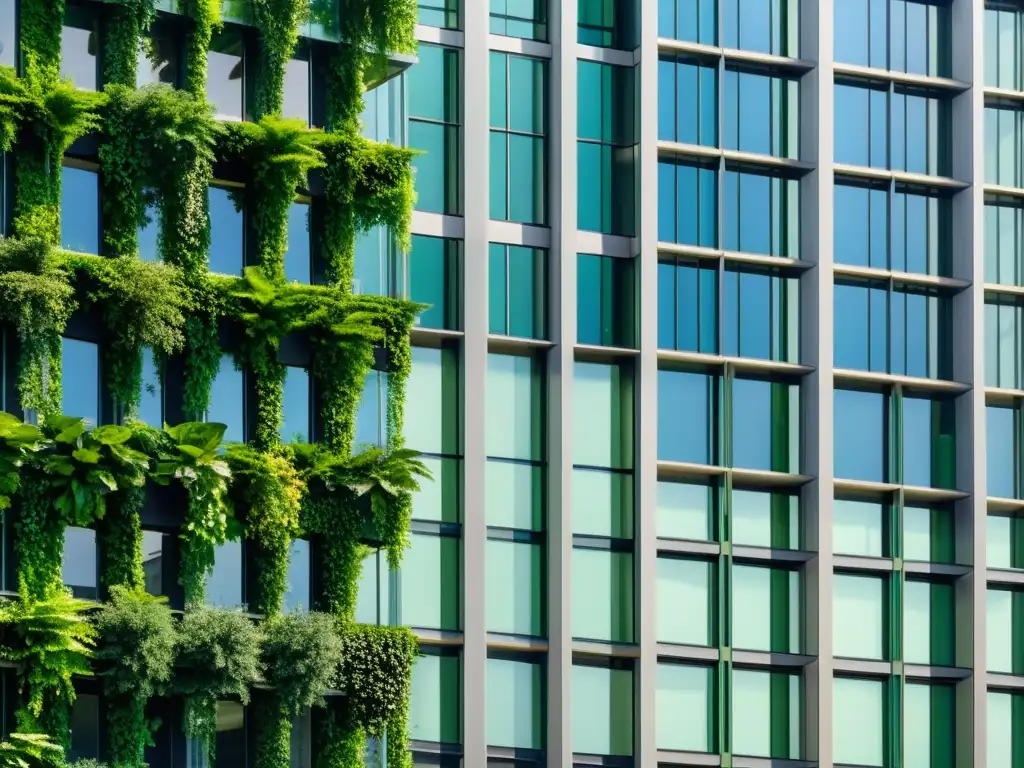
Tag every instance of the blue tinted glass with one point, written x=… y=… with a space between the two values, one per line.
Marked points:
x=754 y=310
x=224 y=587
x=226 y=233
x=999 y=447
x=149 y=245
x=151 y=403
x=667 y=306
x=879 y=328
x=851 y=122
x=850 y=247
x=371 y=268
x=297 y=260
x=850 y=19
x=685 y=417
x=666 y=203
x=8 y=26
x=859 y=440
x=80 y=210
x=851 y=327
x=297 y=597
x=751 y=424
x=80 y=368
x=295 y=400
x=227 y=401
x=370 y=416
x=917 y=441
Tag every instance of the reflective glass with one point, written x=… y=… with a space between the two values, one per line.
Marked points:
x=297 y=596
x=515 y=495
x=371 y=413
x=1004 y=29
x=432 y=404
x=295 y=103
x=1003 y=335
x=769 y=208
x=1002 y=616
x=519 y=18
x=765 y=519
x=602 y=416
x=85 y=728
x=434 y=93
x=439 y=13
x=224 y=73
x=79 y=565
x=434 y=713
x=687 y=204
x=765 y=26
x=515 y=588
x=688 y=306
x=1000 y=450
x=514 y=423
x=227 y=400
x=684 y=601
x=929 y=442
x=928 y=623
x=602 y=710
x=225 y=586
x=683 y=707
x=80 y=364
x=858 y=617
x=1004 y=159
x=766 y=714
x=604 y=611
x=765 y=425
x=151 y=402
x=8 y=29
x=999 y=544
x=295 y=399
x=79 y=48
x=159 y=58
x=1004 y=240
x=517 y=298
x=688 y=399
x=438 y=499
x=515 y=704
x=374 y=271
x=604 y=301
x=433 y=280
x=766 y=609
x=686 y=85
x=227 y=231
x=602 y=503
x=300 y=746
x=858 y=721
x=148 y=235
x=859 y=528
x=158 y=550
x=80 y=210
x=1000 y=708
x=904 y=35
x=607 y=24
x=297 y=259
x=928 y=532
x=860 y=436
x=761 y=112
x=761 y=314
x=685 y=511
x=430 y=583
x=693 y=21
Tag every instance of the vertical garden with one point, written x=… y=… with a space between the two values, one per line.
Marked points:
x=157 y=149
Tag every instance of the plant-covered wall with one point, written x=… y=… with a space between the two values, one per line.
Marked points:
x=157 y=150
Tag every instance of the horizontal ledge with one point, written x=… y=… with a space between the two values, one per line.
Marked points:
x=903 y=177
x=994 y=504
x=718 y=254
x=438 y=636
x=769 y=554
x=910 y=278
x=742 y=364
x=756 y=477
x=689 y=547
x=862 y=667
x=679 y=149
x=1004 y=576
x=520 y=46
x=931 y=672
x=673 y=757
x=864 y=563
x=603 y=649
x=699 y=653
x=515 y=233
x=947 y=570
x=432 y=336
x=669 y=45
x=890 y=379
x=502 y=642
x=1010 y=290
x=598 y=352
x=1003 y=93
x=1004 y=681
x=499 y=343
x=771 y=659
x=999 y=189
x=903 y=78
x=453 y=38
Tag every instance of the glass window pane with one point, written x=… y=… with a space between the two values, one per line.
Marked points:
x=859 y=528
x=683 y=708
x=514 y=428
x=766 y=714
x=999 y=714
x=684 y=601
x=515 y=588
x=433 y=276
x=79 y=566
x=159 y=58
x=438 y=499
x=295 y=103
x=297 y=596
x=999 y=452
x=929 y=726
x=602 y=420
x=85 y=727
x=158 y=557
x=602 y=710
x=430 y=582
x=434 y=705
x=685 y=511
x=928 y=623
x=515 y=704
x=860 y=439
x=227 y=400
x=151 y=402
x=764 y=413
x=371 y=417
x=8 y=52
x=79 y=49
x=766 y=612
x=688 y=398
x=859 y=616
x=764 y=519
x=224 y=588
x=80 y=396
x=295 y=406
x=858 y=721
x=297 y=259
x=432 y=403
x=80 y=210
x=1000 y=619
x=928 y=534
x=602 y=503
x=224 y=75
x=604 y=611
x=227 y=231
x=515 y=495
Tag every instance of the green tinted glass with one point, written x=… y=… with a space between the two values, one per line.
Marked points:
x=602 y=710
x=766 y=714
x=515 y=704
x=684 y=601
x=603 y=610
x=430 y=582
x=684 y=708
x=434 y=704
x=515 y=588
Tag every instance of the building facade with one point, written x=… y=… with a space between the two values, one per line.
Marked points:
x=721 y=378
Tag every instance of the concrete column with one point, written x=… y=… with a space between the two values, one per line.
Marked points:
x=475 y=188
x=562 y=286
x=646 y=473
x=816 y=130
x=969 y=367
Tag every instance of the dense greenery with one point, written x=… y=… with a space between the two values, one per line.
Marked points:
x=157 y=151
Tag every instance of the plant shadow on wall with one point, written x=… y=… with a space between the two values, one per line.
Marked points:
x=157 y=149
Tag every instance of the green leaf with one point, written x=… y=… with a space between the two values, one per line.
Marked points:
x=106 y=479
x=87 y=455
x=111 y=434
x=72 y=432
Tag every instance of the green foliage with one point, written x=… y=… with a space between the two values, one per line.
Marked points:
x=206 y=17
x=193 y=459
x=301 y=656
x=38 y=543
x=376 y=673
x=29 y=750
x=278 y=23
x=267 y=491
x=18 y=442
x=119 y=535
x=135 y=658
x=218 y=656
x=37 y=298
x=52 y=640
